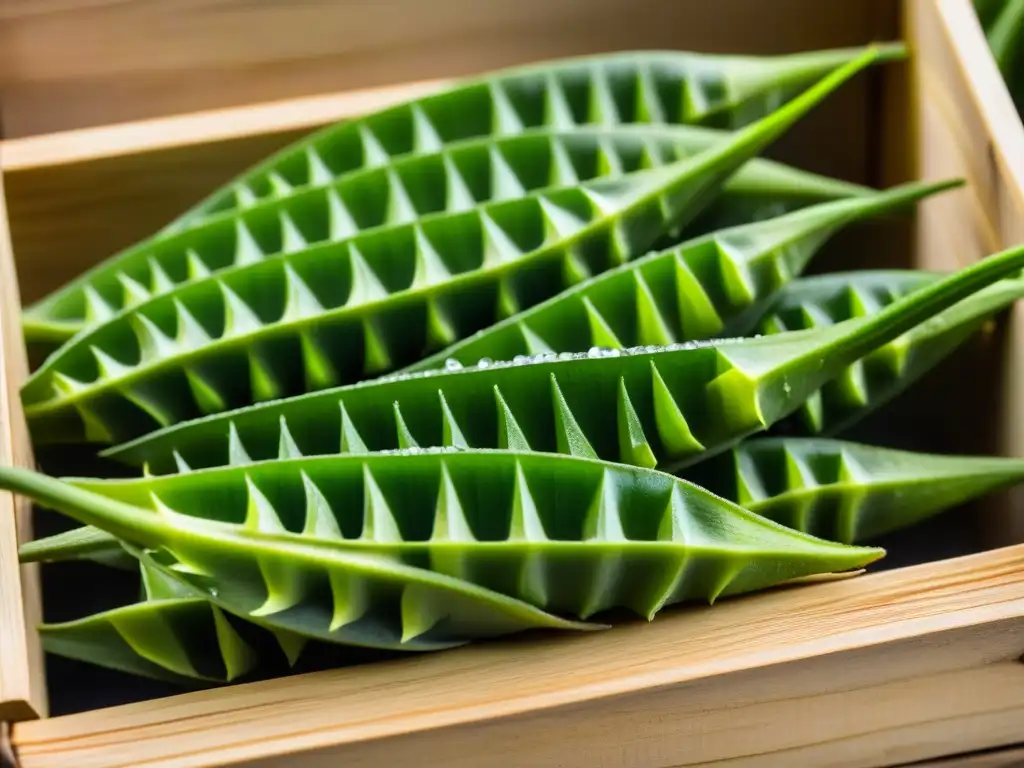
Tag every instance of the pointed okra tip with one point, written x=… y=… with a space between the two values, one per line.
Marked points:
x=877 y=51
x=70 y=544
x=787 y=556
x=832 y=556
x=890 y=51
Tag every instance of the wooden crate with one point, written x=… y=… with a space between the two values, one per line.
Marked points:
x=916 y=663
x=22 y=690
x=998 y=176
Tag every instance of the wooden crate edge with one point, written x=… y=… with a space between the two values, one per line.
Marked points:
x=1003 y=123
x=977 y=600
x=967 y=91
x=22 y=688
x=84 y=145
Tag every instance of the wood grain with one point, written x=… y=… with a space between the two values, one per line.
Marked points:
x=995 y=758
x=881 y=669
x=971 y=127
x=21 y=684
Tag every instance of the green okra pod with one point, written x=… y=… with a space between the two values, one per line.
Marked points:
x=878 y=378
x=716 y=285
x=422 y=550
x=449 y=180
x=644 y=87
x=320 y=317
x=658 y=406
x=1003 y=24
x=846 y=491
x=172 y=634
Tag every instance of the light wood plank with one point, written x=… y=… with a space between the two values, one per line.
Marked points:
x=854 y=666
x=967 y=126
x=21 y=684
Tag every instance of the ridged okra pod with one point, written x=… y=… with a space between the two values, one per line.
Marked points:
x=837 y=490
x=846 y=491
x=1003 y=23
x=667 y=407
x=878 y=378
x=173 y=634
x=320 y=317
x=719 y=284
x=430 y=549
x=645 y=87
x=450 y=180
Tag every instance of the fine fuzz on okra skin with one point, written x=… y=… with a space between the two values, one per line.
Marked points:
x=666 y=407
x=715 y=285
x=425 y=550
x=640 y=87
x=172 y=634
x=878 y=378
x=846 y=491
x=322 y=317
x=451 y=180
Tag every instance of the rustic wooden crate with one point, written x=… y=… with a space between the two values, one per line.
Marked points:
x=22 y=691
x=914 y=663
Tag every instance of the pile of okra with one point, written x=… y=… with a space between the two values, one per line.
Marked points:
x=538 y=351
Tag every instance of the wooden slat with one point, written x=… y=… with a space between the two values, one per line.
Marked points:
x=1012 y=757
x=882 y=669
x=21 y=669
x=969 y=127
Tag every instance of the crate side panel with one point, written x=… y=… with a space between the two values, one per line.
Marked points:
x=21 y=668
x=842 y=720
x=861 y=709
x=1004 y=206
x=233 y=52
x=967 y=127
x=913 y=624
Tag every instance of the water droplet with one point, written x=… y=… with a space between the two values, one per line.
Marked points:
x=451 y=364
x=484 y=362
x=595 y=352
x=214 y=591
